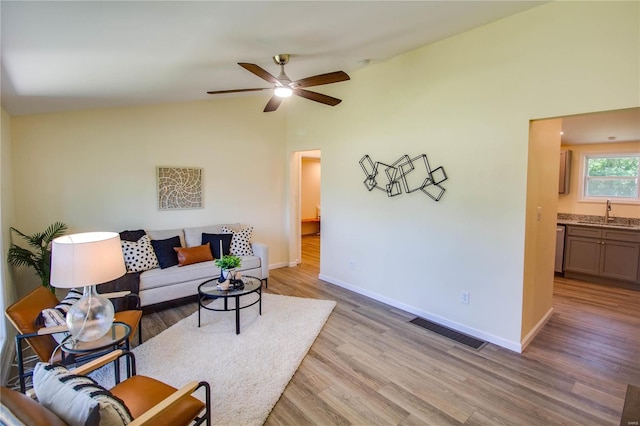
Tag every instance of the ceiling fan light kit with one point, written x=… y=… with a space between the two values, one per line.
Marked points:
x=283 y=87
x=283 y=92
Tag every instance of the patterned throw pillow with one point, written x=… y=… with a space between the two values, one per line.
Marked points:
x=78 y=400
x=241 y=241
x=139 y=255
x=54 y=317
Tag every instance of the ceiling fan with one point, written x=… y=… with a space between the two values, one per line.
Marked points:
x=283 y=87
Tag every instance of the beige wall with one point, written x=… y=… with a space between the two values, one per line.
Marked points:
x=466 y=102
x=540 y=223
x=568 y=203
x=96 y=170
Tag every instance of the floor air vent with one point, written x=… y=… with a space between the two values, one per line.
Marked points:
x=472 y=342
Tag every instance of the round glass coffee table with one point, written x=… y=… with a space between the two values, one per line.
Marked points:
x=209 y=290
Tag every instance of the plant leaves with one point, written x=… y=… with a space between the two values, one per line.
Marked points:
x=40 y=260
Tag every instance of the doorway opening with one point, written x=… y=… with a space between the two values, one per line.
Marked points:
x=306 y=211
x=597 y=182
x=556 y=199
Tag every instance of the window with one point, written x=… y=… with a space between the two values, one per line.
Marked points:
x=611 y=176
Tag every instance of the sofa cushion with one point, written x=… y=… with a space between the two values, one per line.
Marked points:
x=193 y=235
x=248 y=262
x=167 y=257
x=162 y=277
x=139 y=255
x=157 y=277
x=241 y=241
x=216 y=240
x=189 y=255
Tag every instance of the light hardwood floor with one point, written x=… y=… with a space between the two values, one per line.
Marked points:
x=370 y=366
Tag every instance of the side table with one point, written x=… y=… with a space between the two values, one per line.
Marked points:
x=117 y=336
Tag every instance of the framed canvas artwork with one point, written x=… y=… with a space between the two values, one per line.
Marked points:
x=179 y=188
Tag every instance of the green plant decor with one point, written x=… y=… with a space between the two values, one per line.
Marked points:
x=228 y=262
x=40 y=257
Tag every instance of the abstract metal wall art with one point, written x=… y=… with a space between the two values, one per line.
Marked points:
x=406 y=173
x=179 y=188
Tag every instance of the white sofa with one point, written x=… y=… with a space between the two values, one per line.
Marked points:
x=161 y=285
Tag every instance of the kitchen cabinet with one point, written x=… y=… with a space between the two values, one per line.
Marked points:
x=565 y=171
x=606 y=253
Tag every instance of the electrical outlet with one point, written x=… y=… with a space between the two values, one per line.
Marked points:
x=464 y=297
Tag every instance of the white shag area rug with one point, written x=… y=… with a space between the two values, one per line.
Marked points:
x=247 y=372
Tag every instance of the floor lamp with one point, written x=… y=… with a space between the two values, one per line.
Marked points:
x=85 y=260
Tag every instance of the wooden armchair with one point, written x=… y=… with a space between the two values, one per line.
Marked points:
x=24 y=315
x=149 y=401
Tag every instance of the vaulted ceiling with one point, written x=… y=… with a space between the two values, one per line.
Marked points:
x=64 y=55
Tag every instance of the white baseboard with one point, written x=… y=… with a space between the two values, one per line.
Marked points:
x=280 y=265
x=479 y=334
x=535 y=330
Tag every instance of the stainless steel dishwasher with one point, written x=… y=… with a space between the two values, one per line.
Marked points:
x=560 y=230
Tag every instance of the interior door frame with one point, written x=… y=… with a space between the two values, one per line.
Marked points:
x=295 y=195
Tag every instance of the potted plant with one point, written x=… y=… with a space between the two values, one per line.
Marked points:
x=40 y=258
x=227 y=263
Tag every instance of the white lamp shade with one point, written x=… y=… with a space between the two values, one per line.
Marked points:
x=86 y=259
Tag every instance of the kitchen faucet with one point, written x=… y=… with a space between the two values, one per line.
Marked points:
x=608 y=219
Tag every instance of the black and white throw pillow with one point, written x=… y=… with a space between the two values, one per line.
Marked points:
x=78 y=400
x=139 y=255
x=53 y=317
x=241 y=241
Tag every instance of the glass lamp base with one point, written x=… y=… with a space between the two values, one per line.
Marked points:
x=90 y=317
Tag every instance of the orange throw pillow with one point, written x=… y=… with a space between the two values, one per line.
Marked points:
x=189 y=255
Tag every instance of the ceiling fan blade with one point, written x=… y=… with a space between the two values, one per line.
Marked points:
x=273 y=104
x=318 y=97
x=218 y=92
x=260 y=72
x=317 y=80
